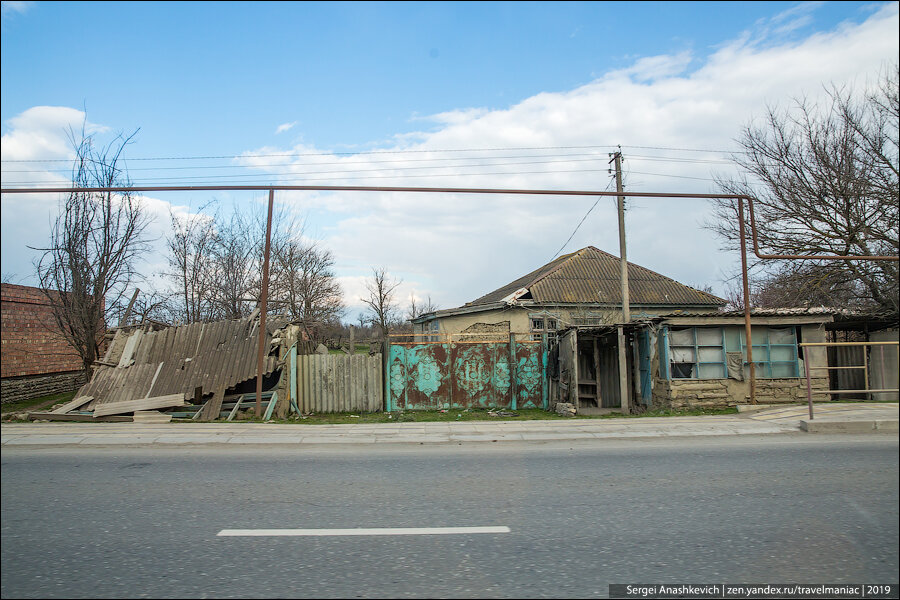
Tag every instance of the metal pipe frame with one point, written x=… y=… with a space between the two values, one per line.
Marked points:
x=452 y=190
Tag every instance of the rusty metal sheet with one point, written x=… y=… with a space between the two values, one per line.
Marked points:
x=529 y=376
x=480 y=376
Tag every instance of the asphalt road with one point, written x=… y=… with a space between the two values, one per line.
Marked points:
x=143 y=522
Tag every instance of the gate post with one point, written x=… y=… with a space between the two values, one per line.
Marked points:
x=513 y=374
x=386 y=366
x=545 y=357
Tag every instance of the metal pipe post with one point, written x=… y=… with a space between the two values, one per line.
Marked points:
x=263 y=298
x=747 y=302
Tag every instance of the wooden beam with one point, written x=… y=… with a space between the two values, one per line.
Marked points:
x=271 y=406
x=113 y=408
x=72 y=405
x=211 y=409
x=49 y=416
x=234 y=410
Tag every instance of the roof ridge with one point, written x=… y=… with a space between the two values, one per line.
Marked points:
x=566 y=258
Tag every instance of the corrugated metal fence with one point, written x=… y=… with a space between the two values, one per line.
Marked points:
x=329 y=383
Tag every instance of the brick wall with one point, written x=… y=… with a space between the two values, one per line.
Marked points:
x=30 y=341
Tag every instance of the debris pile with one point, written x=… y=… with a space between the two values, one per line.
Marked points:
x=202 y=371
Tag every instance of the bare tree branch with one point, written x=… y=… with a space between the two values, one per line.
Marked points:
x=826 y=182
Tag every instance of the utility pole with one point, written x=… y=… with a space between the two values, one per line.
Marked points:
x=626 y=310
x=623 y=259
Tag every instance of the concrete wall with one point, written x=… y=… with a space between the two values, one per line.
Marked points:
x=519 y=317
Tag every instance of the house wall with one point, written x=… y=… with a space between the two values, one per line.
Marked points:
x=519 y=317
x=516 y=317
x=36 y=360
x=721 y=393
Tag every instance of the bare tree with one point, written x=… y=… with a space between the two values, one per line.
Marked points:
x=236 y=275
x=382 y=306
x=94 y=244
x=307 y=283
x=826 y=182
x=422 y=307
x=191 y=254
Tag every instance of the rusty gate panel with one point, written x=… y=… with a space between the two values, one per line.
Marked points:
x=480 y=376
x=529 y=375
x=430 y=376
x=421 y=370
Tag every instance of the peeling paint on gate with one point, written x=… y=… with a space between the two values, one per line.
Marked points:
x=464 y=375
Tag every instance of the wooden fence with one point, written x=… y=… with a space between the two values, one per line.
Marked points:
x=330 y=383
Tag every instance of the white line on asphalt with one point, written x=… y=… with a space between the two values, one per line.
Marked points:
x=361 y=531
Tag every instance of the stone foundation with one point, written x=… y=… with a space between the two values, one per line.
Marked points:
x=15 y=389
x=678 y=394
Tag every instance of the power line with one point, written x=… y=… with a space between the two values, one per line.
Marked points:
x=316 y=164
x=582 y=218
x=136 y=183
x=364 y=152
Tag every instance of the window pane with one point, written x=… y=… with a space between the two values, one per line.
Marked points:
x=681 y=337
x=682 y=354
x=712 y=371
x=551 y=323
x=781 y=353
x=682 y=370
x=781 y=336
x=784 y=370
x=709 y=337
x=733 y=339
x=711 y=355
x=537 y=324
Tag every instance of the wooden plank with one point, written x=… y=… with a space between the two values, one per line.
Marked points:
x=49 y=416
x=271 y=406
x=234 y=410
x=129 y=348
x=72 y=405
x=112 y=408
x=151 y=416
x=211 y=409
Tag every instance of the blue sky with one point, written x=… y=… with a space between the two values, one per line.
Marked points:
x=322 y=81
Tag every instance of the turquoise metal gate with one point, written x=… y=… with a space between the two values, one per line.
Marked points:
x=452 y=373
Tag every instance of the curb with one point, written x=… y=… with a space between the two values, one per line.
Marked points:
x=870 y=426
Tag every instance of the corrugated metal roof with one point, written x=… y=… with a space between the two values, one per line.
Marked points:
x=178 y=360
x=593 y=276
x=791 y=311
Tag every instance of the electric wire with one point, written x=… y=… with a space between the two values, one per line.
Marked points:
x=582 y=221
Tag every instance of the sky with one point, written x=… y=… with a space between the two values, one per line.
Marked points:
x=427 y=94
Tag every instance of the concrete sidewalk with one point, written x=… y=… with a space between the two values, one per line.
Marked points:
x=771 y=420
x=837 y=417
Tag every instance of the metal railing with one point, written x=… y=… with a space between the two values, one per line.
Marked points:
x=864 y=367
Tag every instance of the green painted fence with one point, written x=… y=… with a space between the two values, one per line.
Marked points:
x=465 y=374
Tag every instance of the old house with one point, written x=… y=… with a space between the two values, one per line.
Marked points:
x=678 y=350
x=580 y=289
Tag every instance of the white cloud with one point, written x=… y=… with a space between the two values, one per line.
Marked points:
x=458 y=247
x=285 y=127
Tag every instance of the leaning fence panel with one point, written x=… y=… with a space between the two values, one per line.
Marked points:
x=340 y=383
